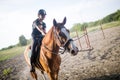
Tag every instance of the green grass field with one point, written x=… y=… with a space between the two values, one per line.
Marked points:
x=95 y=28
x=105 y=26
x=10 y=53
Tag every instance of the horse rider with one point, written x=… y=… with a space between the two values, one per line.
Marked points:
x=38 y=32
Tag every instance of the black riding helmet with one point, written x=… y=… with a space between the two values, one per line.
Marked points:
x=42 y=12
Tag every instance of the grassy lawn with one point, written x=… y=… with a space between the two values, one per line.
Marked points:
x=104 y=26
x=112 y=24
x=95 y=28
x=10 y=53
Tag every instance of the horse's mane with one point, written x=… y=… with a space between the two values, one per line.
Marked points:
x=48 y=37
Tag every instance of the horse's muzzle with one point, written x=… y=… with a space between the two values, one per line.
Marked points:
x=74 y=52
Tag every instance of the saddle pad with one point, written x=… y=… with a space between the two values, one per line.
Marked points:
x=29 y=53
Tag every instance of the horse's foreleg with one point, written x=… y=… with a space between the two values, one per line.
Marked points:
x=34 y=75
x=53 y=76
x=56 y=75
x=50 y=76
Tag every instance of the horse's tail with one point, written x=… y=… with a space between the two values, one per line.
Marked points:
x=26 y=54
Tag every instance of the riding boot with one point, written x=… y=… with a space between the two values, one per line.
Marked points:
x=32 y=69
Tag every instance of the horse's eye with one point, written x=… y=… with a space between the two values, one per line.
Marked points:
x=68 y=31
x=60 y=34
x=63 y=36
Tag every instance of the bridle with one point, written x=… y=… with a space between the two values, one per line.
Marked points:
x=57 y=37
x=65 y=44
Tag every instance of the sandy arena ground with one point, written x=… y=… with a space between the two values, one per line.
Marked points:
x=101 y=63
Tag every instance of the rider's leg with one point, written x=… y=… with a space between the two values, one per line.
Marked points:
x=33 y=55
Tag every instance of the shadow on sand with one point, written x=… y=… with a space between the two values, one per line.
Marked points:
x=110 y=77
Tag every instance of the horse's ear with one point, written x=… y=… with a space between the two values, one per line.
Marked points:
x=64 y=21
x=54 y=23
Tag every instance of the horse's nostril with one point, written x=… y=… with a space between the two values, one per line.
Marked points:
x=72 y=51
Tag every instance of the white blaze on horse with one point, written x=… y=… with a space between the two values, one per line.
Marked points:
x=49 y=59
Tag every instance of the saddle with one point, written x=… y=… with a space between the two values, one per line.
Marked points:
x=37 y=51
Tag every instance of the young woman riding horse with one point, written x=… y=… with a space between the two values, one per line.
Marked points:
x=49 y=59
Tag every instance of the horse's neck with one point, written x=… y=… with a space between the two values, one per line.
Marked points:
x=49 y=40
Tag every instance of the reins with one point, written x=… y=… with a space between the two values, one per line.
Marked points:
x=54 y=51
x=49 y=49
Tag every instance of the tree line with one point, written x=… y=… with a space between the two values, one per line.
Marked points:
x=22 y=42
x=109 y=18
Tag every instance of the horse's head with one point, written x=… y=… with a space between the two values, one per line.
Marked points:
x=62 y=37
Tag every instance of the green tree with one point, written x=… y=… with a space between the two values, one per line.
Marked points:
x=22 y=40
x=109 y=18
x=76 y=26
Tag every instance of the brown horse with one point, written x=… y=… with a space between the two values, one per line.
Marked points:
x=49 y=60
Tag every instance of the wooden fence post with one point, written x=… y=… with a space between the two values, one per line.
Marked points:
x=102 y=31
x=88 y=41
x=79 y=40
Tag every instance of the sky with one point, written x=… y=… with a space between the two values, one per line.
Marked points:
x=16 y=16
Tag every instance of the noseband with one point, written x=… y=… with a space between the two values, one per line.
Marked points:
x=68 y=42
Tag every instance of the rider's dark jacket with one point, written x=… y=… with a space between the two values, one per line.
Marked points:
x=35 y=31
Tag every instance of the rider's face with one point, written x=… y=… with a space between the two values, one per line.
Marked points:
x=42 y=17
